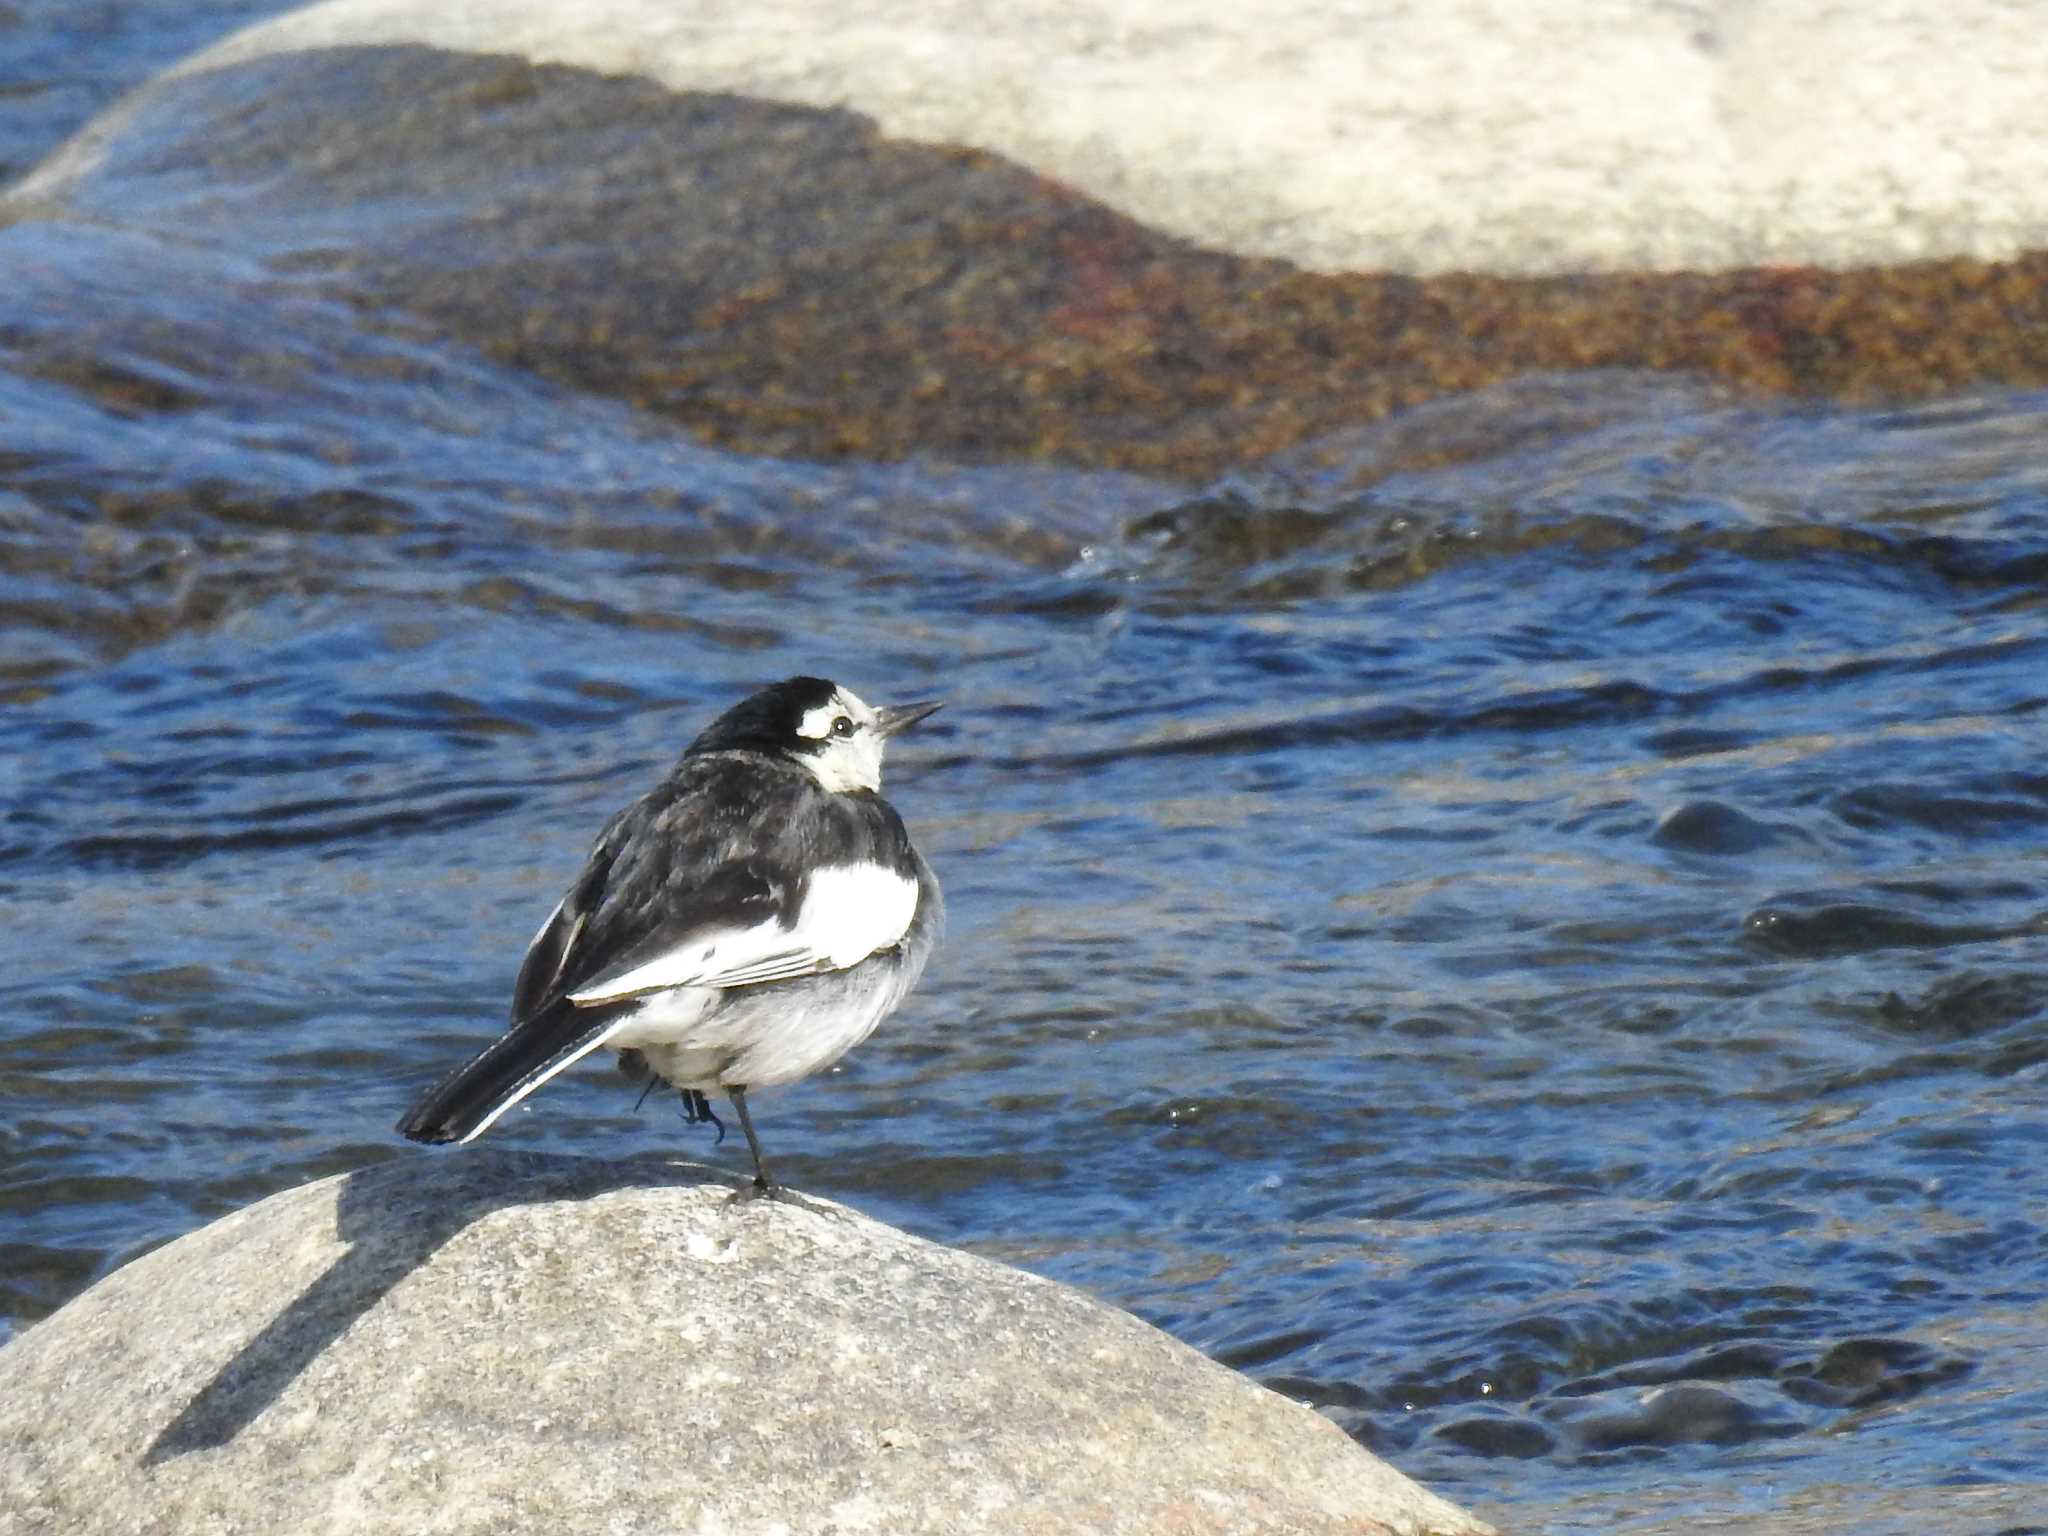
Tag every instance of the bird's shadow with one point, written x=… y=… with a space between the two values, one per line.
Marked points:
x=386 y=1242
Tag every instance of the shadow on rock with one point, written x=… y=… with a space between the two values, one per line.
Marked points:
x=381 y=1253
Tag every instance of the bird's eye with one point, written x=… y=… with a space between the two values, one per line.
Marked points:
x=842 y=726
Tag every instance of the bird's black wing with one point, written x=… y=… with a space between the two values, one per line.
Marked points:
x=541 y=969
x=803 y=882
x=687 y=864
x=690 y=857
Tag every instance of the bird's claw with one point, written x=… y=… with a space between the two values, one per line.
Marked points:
x=697 y=1111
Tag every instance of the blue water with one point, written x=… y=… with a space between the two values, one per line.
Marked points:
x=1470 y=947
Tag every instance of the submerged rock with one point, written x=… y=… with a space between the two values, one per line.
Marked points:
x=502 y=1342
x=1060 y=235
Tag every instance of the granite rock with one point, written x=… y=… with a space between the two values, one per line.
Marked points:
x=497 y=1342
x=1472 y=135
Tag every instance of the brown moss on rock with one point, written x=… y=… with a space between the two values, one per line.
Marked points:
x=787 y=281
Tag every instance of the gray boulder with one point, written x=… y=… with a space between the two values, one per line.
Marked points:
x=500 y=1342
x=1486 y=135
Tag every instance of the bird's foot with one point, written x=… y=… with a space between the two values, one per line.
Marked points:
x=697 y=1111
x=778 y=1194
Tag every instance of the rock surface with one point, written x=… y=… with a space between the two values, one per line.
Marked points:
x=1472 y=135
x=499 y=1342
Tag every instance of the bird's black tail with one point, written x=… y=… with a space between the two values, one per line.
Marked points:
x=462 y=1105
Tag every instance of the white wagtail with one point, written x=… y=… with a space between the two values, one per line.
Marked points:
x=746 y=922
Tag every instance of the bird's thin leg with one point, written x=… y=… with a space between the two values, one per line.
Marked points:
x=739 y=1102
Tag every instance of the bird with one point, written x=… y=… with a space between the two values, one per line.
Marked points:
x=741 y=925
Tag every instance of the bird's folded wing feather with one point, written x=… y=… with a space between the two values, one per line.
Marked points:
x=842 y=914
x=559 y=951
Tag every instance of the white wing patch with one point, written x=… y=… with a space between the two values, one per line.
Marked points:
x=850 y=911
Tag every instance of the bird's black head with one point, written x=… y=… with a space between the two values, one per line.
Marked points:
x=816 y=723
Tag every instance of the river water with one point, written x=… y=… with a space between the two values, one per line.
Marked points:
x=1543 y=956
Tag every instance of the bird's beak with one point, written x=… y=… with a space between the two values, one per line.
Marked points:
x=892 y=718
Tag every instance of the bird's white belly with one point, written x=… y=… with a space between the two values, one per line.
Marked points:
x=664 y=1019
x=758 y=1037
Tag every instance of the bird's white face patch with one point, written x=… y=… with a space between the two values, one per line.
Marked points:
x=849 y=751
